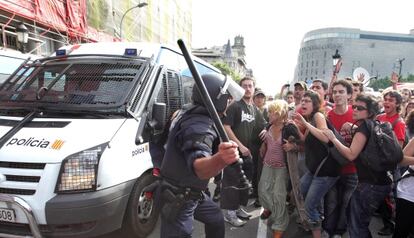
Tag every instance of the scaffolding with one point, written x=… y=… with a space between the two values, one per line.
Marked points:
x=53 y=23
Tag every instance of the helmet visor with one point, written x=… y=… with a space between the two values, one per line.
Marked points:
x=232 y=88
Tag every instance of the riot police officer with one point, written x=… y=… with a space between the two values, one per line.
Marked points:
x=193 y=155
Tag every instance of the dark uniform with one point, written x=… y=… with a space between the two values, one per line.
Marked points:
x=192 y=136
x=190 y=152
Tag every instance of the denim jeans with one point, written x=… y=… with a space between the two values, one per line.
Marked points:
x=365 y=200
x=314 y=190
x=336 y=203
x=302 y=164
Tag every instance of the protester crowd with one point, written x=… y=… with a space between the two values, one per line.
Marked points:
x=328 y=129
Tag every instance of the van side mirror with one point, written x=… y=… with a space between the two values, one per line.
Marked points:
x=158 y=116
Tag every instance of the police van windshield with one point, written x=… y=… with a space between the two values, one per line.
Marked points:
x=73 y=85
x=9 y=63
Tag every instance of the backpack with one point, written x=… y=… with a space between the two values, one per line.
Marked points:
x=382 y=151
x=290 y=133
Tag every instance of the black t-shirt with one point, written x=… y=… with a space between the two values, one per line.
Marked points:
x=315 y=152
x=366 y=175
x=243 y=119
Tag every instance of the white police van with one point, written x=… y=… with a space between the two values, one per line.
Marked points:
x=76 y=131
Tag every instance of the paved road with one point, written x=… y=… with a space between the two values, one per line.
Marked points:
x=256 y=227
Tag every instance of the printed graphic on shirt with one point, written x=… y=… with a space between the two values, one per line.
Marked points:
x=246 y=117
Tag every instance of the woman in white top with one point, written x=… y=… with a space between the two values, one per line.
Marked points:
x=404 y=222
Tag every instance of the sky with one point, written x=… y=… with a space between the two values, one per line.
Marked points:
x=273 y=30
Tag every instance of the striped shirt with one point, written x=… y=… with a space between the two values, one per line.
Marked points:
x=274 y=156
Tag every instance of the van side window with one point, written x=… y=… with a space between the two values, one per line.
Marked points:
x=171 y=92
x=188 y=84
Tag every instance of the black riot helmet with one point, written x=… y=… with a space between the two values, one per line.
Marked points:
x=219 y=88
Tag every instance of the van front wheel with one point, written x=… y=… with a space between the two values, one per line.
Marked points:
x=141 y=215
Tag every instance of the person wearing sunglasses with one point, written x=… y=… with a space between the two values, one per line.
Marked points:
x=373 y=186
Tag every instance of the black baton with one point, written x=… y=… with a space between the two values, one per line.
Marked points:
x=210 y=107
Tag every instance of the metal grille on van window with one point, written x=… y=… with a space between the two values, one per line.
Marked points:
x=100 y=83
x=162 y=96
x=139 y=93
x=21 y=178
x=170 y=93
x=174 y=91
x=96 y=84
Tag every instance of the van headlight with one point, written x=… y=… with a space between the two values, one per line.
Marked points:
x=78 y=171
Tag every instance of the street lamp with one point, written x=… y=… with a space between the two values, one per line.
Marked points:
x=22 y=36
x=336 y=61
x=400 y=64
x=140 y=5
x=335 y=58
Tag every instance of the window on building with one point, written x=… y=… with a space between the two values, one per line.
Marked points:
x=312 y=63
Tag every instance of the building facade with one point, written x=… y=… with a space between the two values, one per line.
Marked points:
x=160 y=21
x=378 y=52
x=233 y=55
x=54 y=23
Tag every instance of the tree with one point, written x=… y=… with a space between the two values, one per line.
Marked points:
x=225 y=69
x=384 y=83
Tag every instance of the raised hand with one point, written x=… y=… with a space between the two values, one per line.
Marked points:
x=361 y=77
x=394 y=78
x=299 y=119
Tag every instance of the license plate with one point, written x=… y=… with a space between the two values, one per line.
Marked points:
x=7 y=215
